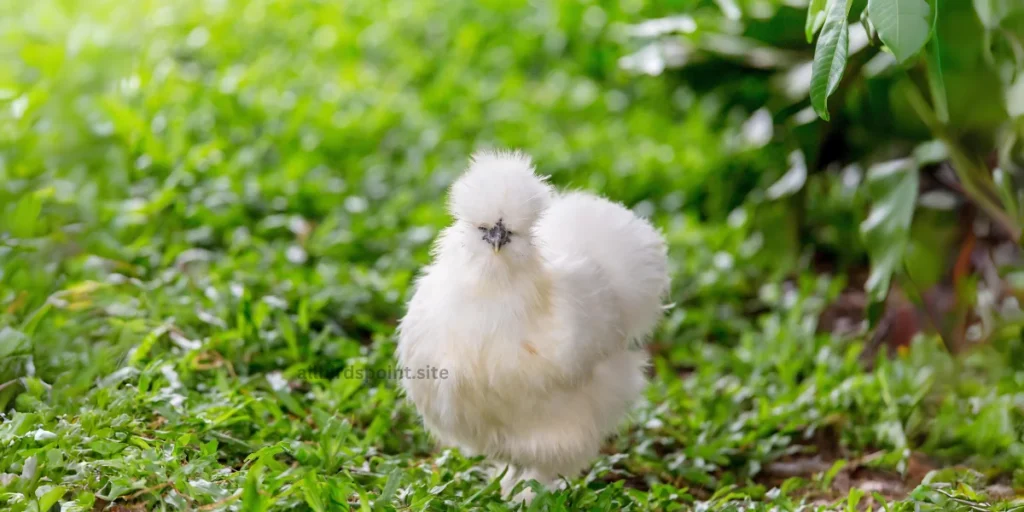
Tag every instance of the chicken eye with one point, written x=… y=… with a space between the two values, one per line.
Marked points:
x=482 y=228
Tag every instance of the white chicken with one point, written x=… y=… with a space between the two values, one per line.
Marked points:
x=535 y=304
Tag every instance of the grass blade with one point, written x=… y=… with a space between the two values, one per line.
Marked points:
x=936 y=82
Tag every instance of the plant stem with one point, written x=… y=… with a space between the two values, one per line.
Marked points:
x=972 y=174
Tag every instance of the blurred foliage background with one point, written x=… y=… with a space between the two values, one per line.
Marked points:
x=200 y=201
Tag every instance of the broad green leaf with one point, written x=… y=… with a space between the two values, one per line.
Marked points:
x=11 y=342
x=903 y=25
x=923 y=266
x=106 y=447
x=830 y=56
x=26 y=216
x=815 y=18
x=892 y=188
x=51 y=497
x=46 y=57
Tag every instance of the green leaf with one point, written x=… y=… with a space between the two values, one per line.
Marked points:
x=930 y=153
x=923 y=267
x=936 y=81
x=992 y=12
x=251 y=499
x=1015 y=97
x=815 y=18
x=394 y=479
x=853 y=499
x=106 y=447
x=830 y=56
x=313 y=493
x=1009 y=194
x=793 y=180
x=11 y=342
x=892 y=186
x=26 y=216
x=266 y=452
x=881 y=500
x=832 y=472
x=903 y=25
x=209 y=449
x=146 y=345
x=364 y=500
x=51 y=497
x=46 y=57
x=493 y=486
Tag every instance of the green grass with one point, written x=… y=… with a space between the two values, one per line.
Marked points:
x=211 y=212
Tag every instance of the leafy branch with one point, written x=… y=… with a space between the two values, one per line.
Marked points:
x=909 y=31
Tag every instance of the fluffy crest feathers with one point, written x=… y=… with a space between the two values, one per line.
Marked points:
x=500 y=185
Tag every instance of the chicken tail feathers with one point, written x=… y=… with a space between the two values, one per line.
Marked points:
x=629 y=250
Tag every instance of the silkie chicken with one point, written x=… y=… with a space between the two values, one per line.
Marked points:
x=536 y=303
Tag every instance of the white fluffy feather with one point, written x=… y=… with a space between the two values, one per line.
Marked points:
x=537 y=336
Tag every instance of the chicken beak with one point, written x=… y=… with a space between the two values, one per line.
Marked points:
x=497 y=236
